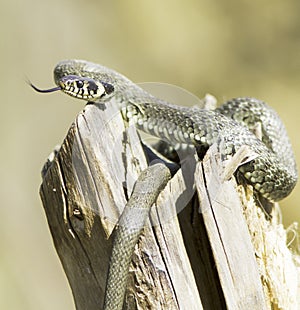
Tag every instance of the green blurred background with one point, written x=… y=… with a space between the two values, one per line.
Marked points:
x=227 y=48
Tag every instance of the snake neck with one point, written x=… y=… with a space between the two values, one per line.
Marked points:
x=162 y=119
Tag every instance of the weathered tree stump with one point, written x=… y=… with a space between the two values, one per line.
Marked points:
x=220 y=252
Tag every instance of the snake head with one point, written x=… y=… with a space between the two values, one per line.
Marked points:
x=85 y=88
x=80 y=87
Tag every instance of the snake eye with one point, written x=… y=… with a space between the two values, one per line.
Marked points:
x=93 y=87
x=79 y=83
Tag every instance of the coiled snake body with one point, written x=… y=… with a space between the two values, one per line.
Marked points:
x=272 y=173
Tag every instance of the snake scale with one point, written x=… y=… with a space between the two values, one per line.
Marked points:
x=272 y=173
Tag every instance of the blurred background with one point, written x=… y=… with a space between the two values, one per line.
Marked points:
x=225 y=48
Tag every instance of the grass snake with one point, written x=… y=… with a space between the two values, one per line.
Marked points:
x=273 y=173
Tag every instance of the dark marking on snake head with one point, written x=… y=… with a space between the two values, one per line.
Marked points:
x=108 y=88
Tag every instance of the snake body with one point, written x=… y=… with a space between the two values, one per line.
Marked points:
x=272 y=173
x=130 y=225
